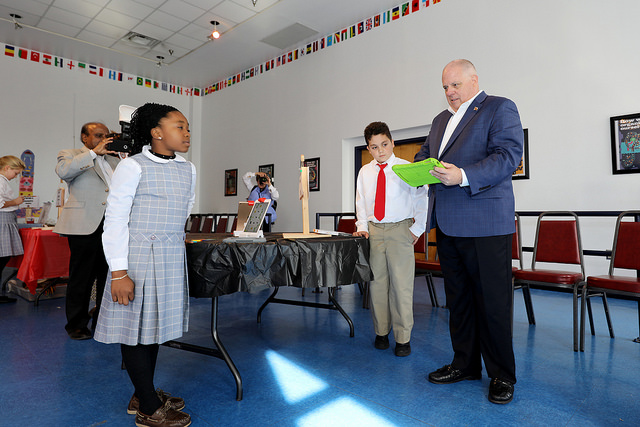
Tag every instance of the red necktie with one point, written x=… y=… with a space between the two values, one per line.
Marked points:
x=381 y=189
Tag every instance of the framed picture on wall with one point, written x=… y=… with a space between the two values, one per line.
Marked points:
x=231 y=182
x=522 y=172
x=268 y=169
x=314 y=173
x=625 y=143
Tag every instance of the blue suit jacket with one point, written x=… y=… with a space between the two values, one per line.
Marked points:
x=487 y=144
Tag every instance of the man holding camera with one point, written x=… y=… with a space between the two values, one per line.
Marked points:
x=87 y=172
x=263 y=189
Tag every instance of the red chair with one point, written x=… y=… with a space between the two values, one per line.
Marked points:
x=207 y=224
x=194 y=227
x=516 y=254
x=427 y=265
x=221 y=225
x=346 y=225
x=557 y=241
x=625 y=255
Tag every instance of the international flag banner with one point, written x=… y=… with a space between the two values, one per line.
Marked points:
x=361 y=28
x=322 y=43
x=115 y=75
x=140 y=81
x=251 y=73
x=70 y=64
x=9 y=50
x=156 y=85
x=295 y=54
x=343 y=35
x=35 y=56
x=352 y=31
x=130 y=78
x=46 y=59
x=290 y=57
x=179 y=90
x=261 y=68
x=376 y=21
x=23 y=54
x=369 y=24
x=96 y=71
x=188 y=91
x=425 y=3
x=196 y=91
x=147 y=83
x=59 y=62
x=415 y=6
x=405 y=9
x=329 y=40
x=231 y=80
x=172 y=89
x=268 y=68
x=435 y=1
x=395 y=13
x=278 y=61
x=284 y=59
x=272 y=63
x=309 y=48
x=82 y=66
x=315 y=46
x=386 y=17
x=336 y=37
x=164 y=86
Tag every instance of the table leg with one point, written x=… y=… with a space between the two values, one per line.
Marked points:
x=332 y=292
x=220 y=352
x=270 y=299
x=48 y=284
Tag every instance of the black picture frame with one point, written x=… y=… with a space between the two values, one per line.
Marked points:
x=268 y=169
x=625 y=144
x=314 y=173
x=522 y=172
x=231 y=182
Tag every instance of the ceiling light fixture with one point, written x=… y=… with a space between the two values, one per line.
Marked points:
x=160 y=59
x=15 y=17
x=215 y=34
x=254 y=2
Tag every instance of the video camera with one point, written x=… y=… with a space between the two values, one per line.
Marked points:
x=262 y=179
x=122 y=142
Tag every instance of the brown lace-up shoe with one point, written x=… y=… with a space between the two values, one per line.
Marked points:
x=163 y=417
x=177 y=403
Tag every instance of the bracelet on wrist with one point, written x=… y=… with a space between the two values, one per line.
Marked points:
x=120 y=278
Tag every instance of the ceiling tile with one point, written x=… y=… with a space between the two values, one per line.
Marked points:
x=166 y=21
x=196 y=32
x=27 y=18
x=59 y=28
x=80 y=7
x=205 y=22
x=168 y=57
x=95 y=38
x=100 y=3
x=185 y=42
x=182 y=9
x=151 y=30
x=205 y=4
x=130 y=8
x=29 y=6
x=118 y=19
x=106 y=30
x=260 y=4
x=151 y=3
x=66 y=17
x=232 y=11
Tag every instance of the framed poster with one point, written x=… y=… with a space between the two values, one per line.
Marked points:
x=314 y=173
x=625 y=143
x=268 y=169
x=522 y=172
x=231 y=182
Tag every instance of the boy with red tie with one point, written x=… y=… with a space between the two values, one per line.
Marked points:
x=392 y=215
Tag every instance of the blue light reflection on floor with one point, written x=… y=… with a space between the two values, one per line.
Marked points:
x=344 y=411
x=295 y=383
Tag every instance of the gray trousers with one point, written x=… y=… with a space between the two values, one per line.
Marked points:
x=392 y=262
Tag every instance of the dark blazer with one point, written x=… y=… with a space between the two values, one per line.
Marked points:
x=487 y=144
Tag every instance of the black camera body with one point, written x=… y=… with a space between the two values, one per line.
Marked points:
x=122 y=142
x=261 y=180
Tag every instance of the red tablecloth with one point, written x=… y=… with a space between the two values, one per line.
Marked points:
x=46 y=256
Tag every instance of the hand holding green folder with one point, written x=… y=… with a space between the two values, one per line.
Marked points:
x=417 y=174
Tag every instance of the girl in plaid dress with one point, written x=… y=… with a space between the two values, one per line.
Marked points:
x=10 y=243
x=145 y=300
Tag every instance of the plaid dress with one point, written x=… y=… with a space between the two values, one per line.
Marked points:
x=10 y=243
x=159 y=311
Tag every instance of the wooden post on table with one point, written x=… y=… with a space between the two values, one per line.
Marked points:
x=303 y=193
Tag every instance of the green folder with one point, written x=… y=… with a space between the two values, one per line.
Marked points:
x=417 y=174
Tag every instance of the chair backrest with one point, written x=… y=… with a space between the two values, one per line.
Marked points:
x=346 y=225
x=235 y=223
x=195 y=224
x=516 y=245
x=421 y=246
x=626 y=244
x=558 y=240
x=221 y=225
x=207 y=224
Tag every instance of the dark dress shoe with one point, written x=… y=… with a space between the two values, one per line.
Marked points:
x=381 y=342
x=449 y=375
x=500 y=391
x=403 y=349
x=80 y=334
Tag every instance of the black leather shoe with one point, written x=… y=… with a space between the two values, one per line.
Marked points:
x=403 y=349
x=449 y=375
x=382 y=342
x=500 y=391
x=80 y=334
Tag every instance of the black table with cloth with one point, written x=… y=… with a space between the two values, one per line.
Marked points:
x=219 y=268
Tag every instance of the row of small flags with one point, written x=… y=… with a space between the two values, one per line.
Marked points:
x=64 y=63
x=330 y=40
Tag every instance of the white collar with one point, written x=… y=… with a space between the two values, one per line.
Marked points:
x=147 y=148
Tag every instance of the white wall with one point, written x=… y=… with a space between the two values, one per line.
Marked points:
x=568 y=65
x=43 y=109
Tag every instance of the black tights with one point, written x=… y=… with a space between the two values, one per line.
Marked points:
x=140 y=361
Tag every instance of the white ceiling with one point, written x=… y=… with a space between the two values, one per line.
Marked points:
x=90 y=31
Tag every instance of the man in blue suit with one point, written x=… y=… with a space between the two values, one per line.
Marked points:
x=479 y=140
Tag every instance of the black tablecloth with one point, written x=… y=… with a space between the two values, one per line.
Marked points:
x=218 y=268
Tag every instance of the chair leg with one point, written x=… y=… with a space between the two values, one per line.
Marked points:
x=582 y=313
x=432 y=291
x=590 y=312
x=606 y=313
x=638 y=338
x=528 y=304
x=575 y=318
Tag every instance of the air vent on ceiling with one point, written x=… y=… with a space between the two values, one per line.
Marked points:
x=289 y=36
x=139 y=40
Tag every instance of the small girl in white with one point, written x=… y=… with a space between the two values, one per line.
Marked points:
x=10 y=243
x=146 y=300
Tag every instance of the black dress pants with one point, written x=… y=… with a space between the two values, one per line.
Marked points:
x=86 y=265
x=479 y=290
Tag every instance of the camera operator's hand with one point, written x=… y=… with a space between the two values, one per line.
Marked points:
x=101 y=148
x=121 y=287
x=263 y=175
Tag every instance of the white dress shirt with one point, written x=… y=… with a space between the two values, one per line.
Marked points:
x=6 y=195
x=402 y=200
